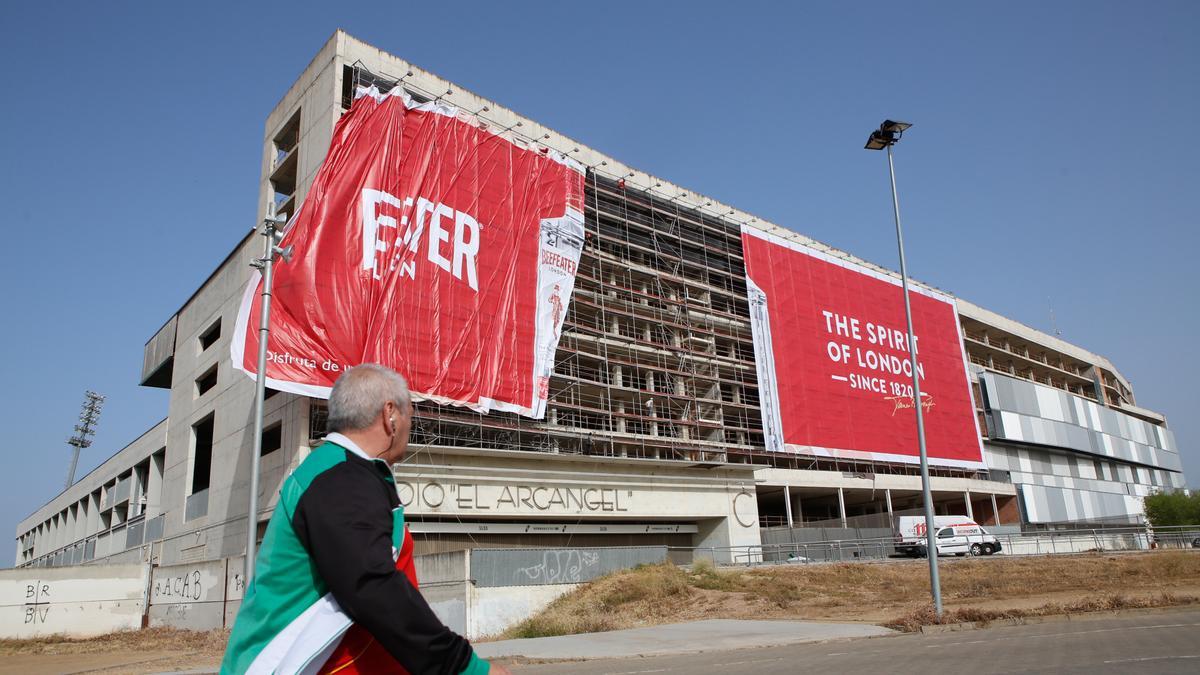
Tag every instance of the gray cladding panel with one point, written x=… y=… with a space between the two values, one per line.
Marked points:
x=1054 y=505
x=1033 y=413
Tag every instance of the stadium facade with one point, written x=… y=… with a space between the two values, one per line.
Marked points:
x=653 y=433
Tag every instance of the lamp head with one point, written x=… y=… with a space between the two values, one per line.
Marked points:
x=886 y=135
x=286 y=252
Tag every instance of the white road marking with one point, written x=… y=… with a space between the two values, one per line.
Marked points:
x=739 y=663
x=1155 y=658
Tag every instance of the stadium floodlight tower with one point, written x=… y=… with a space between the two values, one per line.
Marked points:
x=89 y=414
x=272 y=230
x=882 y=138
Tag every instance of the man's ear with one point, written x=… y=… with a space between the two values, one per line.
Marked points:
x=389 y=418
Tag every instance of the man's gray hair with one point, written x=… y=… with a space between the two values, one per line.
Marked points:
x=360 y=394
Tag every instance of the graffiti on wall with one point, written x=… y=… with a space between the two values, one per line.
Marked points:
x=559 y=567
x=37 y=602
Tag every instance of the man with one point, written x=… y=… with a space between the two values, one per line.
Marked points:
x=335 y=588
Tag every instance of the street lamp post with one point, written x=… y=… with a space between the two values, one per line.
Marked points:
x=882 y=138
x=272 y=231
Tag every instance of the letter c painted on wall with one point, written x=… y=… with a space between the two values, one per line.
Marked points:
x=749 y=505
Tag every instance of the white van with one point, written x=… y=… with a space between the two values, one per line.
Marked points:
x=955 y=534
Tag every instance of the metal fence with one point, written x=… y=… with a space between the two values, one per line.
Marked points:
x=1018 y=543
x=532 y=567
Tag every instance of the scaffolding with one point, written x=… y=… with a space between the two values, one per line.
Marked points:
x=656 y=355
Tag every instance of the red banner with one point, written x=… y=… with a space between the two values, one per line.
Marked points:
x=431 y=244
x=834 y=369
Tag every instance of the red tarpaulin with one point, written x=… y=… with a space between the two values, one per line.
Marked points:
x=433 y=245
x=834 y=371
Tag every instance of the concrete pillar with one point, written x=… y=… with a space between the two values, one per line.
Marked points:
x=621 y=420
x=995 y=511
x=552 y=416
x=649 y=380
x=736 y=392
x=617 y=376
x=680 y=389
x=614 y=326
x=72 y=524
x=154 y=485
x=92 y=524
x=647 y=336
x=787 y=503
x=842 y=506
x=967 y=499
x=887 y=496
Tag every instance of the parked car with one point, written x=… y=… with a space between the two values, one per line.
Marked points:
x=955 y=534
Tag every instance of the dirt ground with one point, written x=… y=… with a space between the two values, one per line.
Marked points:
x=153 y=650
x=894 y=593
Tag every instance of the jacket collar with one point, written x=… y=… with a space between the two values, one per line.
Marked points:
x=339 y=439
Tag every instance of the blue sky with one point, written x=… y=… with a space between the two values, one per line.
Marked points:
x=1049 y=164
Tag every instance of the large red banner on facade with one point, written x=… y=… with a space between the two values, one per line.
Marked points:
x=834 y=370
x=431 y=244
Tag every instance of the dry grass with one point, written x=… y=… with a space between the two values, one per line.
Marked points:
x=146 y=640
x=647 y=594
x=868 y=592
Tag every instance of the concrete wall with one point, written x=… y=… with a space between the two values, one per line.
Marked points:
x=492 y=610
x=88 y=600
x=475 y=611
x=188 y=596
x=78 y=601
x=444 y=581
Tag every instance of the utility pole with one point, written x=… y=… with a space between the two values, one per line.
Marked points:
x=273 y=233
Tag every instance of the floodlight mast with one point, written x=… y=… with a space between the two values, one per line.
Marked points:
x=273 y=233
x=89 y=415
x=887 y=135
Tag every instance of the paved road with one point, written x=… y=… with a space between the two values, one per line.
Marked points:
x=679 y=638
x=1159 y=642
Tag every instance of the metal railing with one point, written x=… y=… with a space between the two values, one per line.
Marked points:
x=1025 y=543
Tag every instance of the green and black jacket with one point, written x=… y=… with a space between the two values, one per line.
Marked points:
x=328 y=560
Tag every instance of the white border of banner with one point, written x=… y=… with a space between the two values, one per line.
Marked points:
x=771 y=377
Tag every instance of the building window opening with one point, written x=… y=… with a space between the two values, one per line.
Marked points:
x=207 y=381
x=284 y=166
x=272 y=438
x=210 y=335
x=202 y=436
